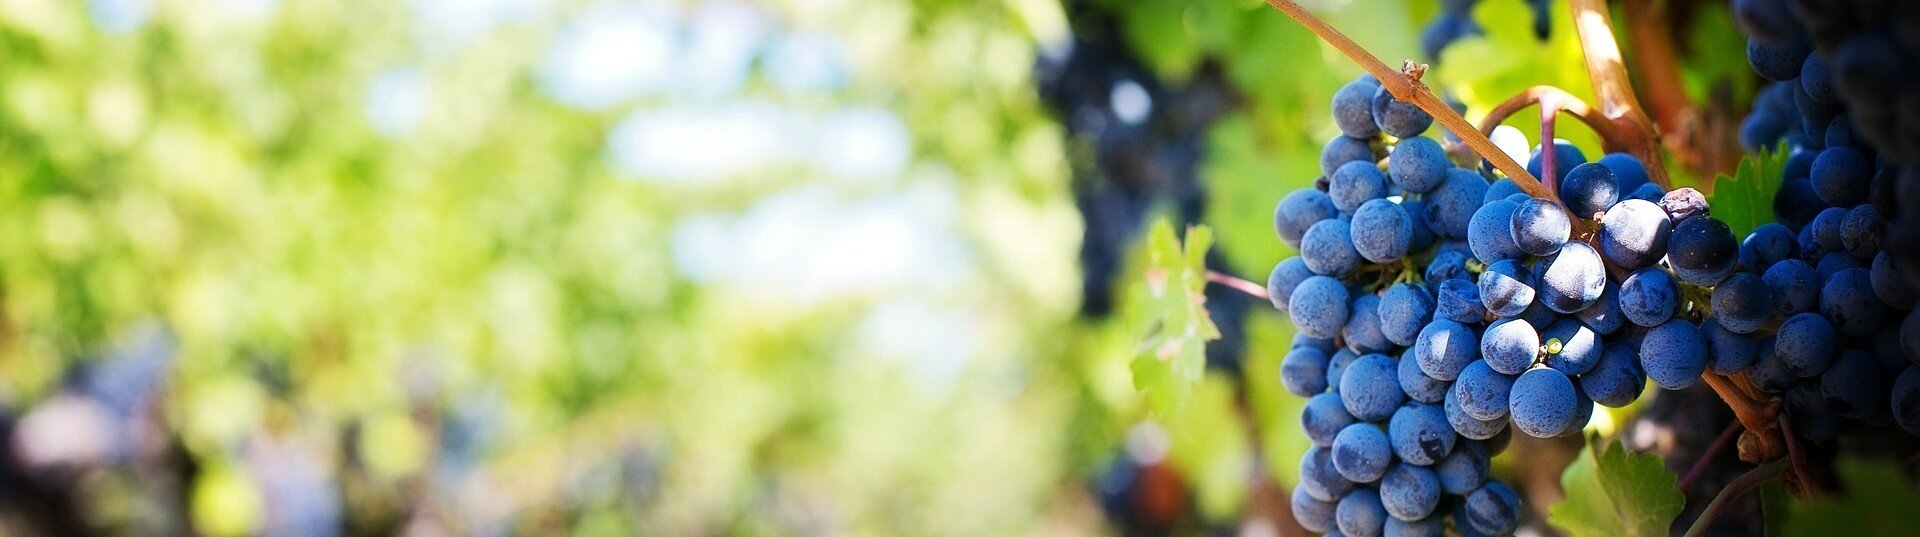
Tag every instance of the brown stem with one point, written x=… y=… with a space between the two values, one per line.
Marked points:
x=1548 y=163
x=1739 y=487
x=1238 y=284
x=1407 y=87
x=1766 y=443
x=1726 y=437
x=1613 y=89
x=1648 y=28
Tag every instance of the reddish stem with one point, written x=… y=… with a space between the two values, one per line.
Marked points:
x=1726 y=437
x=1238 y=284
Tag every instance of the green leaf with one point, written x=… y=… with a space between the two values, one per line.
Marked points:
x=1612 y=492
x=1745 y=201
x=1775 y=508
x=1877 y=502
x=1173 y=318
x=1210 y=447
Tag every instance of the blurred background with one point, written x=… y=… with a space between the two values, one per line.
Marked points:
x=673 y=267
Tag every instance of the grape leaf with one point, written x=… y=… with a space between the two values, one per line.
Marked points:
x=1173 y=316
x=1613 y=492
x=1878 y=502
x=1745 y=201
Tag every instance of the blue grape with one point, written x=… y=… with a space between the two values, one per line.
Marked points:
x=1582 y=413
x=1327 y=248
x=1371 y=388
x=1855 y=386
x=1362 y=332
x=1648 y=192
x=1353 y=109
x=1832 y=263
x=1409 y=492
x=1728 y=352
x=1768 y=372
x=1905 y=400
x=1910 y=338
x=1629 y=174
x=1501 y=188
x=1319 y=478
x=1806 y=344
x=1418 y=164
x=1298 y=211
x=1841 y=176
x=1510 y=346
x=1860 y=231
x=1793 y=285
x=1572 y=278
x=1459 y=301
x=1604 y=316
x=1765 y=245
x=1303 y=340
x=1416 y=383
x=1398 y=118
x=1539 y=227
x=1571 y=347
x=1323 y=417
x=1342 y=150
x=1848 y=301
x=1778 y=61
x=1421 y=434
x=1589 y=189
x=1649 y=297
x=1617 y=380
x=1462 y=470
x=1447 y=265
x=1808 y=413
x=1361 y=453
x=1760 y=129
x=1538 y=314
x=1481 y=392
x=1490 y=232
x=1816 y=80
x=1565 y=158
x=1493 y=508
x=1444 y=348
x=1743 y=303
x=1543 y=402
x=1826 y=229
x=1337 y=366
x=1310 y=512
x=1633 y=234
x=1888 y=284
x=1360 y=514
x=1285 y=277
x=1354 y=183
x=1702 y=251
x=1450 y=206
x=1469 y=426
x=1422 y=233
x=1319 y=306
x=1434 y=525
x=1673 y=354
x=1506 y=287
x=1767 y=20
x=1404 y=310
x=1303 y=372
x=1382 y=231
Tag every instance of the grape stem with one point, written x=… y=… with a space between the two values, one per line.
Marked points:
x=1405 y=85
x=1238 y=284
x=1720 y=443
x=1757 y=418
x=1618 y=105
x=1739 y=487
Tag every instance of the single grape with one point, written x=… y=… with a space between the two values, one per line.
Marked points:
x=1649 y=297
x=1743 y=303
x=1835 y=262
x=1360 y=514
x=1319 y=306
x=1765 y=245
x=1490 y=232
x=1362 y=332
x=1565 y=158
x=1462 y=470
x=1628 y=172
x=1906 y=400
x=1418 y=164
x=1342 y=150
x=1572 y=278
x=1633 y=234
x=1683 y=203
x=1323 y=417
x=1303 y=372
x=1354 y=183
x=1285 y=277
x=1398 y=118
x=1420 y=433
x=1542 y=402
x=1841 y=176
x=1501 y=188
x=1371 y=388
x=1767 y=20
x=1849 y=302
x=1769 y=373
x=1673 y=354
x=1617 y=379
x=1855 y=386
x=1319 y=478
x=1481 y=392
x=1311 y=513
x=1361 y=452
x=1540 y=227
x=1448 y=265
x=1806 y=344
x=1571 y=347
x=1778 y=61
x=1506 y=287
x=1327 y=248
x=1728 y=352
x=1416 y=383
x=1434 y=525
x=1808 y=413
x=1409 y=492
x=1493 y=509
x=1589 y=188
x=1450 y=206
x=1826 y=229
x=1353 y=109
x=1459 y=301
x=1469 y=426
x=1382 y=231
x=1793 y=284
x=1817 y=80
x=1510 y=346
x=1444 y=348
x=1298 y=211
x=1702 y=251
x=1604 y=316
x=1888 y=284
x=1860 y=232
x=1404 y=310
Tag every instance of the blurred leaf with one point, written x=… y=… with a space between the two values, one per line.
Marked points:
x=1613 y=492
x=1775 y=508
x=1877 y=501
x=1745 y=201
x=1174 y=319
x=1210 y=447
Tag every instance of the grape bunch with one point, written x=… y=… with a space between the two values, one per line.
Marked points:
x=1383 y=277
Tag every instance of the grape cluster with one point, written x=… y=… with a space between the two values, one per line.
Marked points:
x=1456 y=22
x=1383 y=279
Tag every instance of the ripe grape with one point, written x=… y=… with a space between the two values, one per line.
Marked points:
x=1571 y=347
x=1604 y=316
x=1337 y=366
x=1361 y=452
x=1420 y=433
x=1398 y=118
x=1649 y=297
x=1506 y=287
x=1450 y=207
x=1765 y=245
x=1808 y=413
x=1354 y=183
x=1493 y=509
x=1462 y=470
x=1617 y=379
x=1628 y=173
x=1889 y=285
x=1469 y=426
x=1382 y=231
x=1510 y=346
x=1416 y=383
x=1433 y=525
x=1327 y=248
x=1589 y=189
x=1860 y=232
x=1565 y=157
x=1409 y=492
x=1482 y=393
x=1769 y=373
x=1728 y=352
x=1299 y=211
x=1362 y=332
x=1540 y=227
x=1848 y=300
x=1702 y=251
x=1418 y=164
x=1323 y=417
x=1370 y=388
x=1572 y=278
x=1543 y=402
x=1342 y=150
x=1353 y=108
x=1793 y=286
x=1444 y=348
x=1777 y=62
x=1360 y=513
x=1840 y=176
x=1303 y=372
x=1855 y=386
x=1673 y=354
x=1310 y=512
x=1285 y=277
x=1319 y=306
x=1318 y=476
x=1404 y=310
x=1459 y=301
x=1743 y=303
x=1633 y=234
x=1490 y=232
x=1806 y=344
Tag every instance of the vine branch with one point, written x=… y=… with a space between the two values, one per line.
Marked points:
x=1238 y=284
x=1739 y=487
x=1605 y=68
x=1406 y=86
